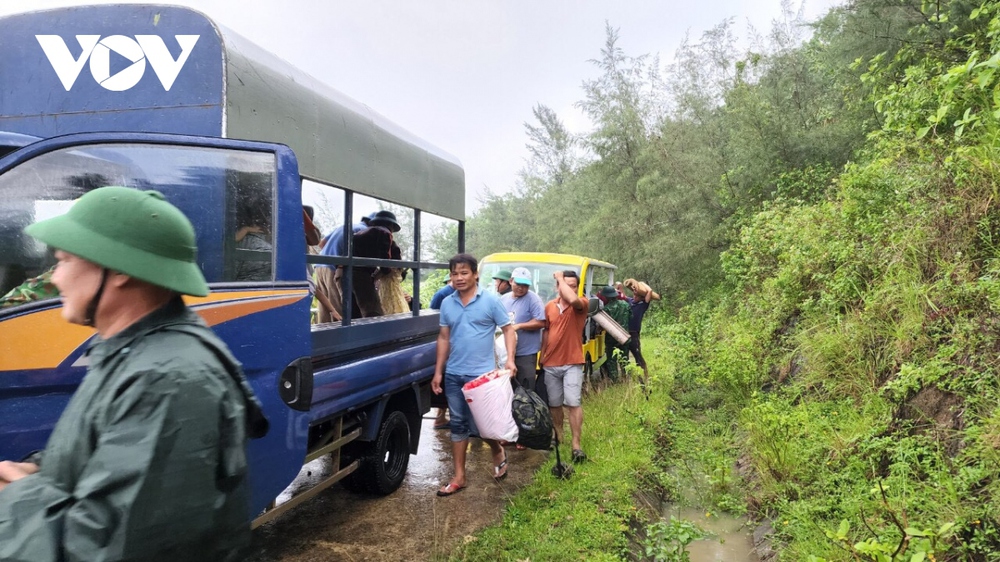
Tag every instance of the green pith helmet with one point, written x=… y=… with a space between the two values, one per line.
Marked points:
x=609 y=292
x=503 y=275
x=134 y=232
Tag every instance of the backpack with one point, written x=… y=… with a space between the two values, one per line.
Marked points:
x=533 y=419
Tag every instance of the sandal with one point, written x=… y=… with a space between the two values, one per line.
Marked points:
x=445 y=425
x=449 y=490
x=578 y=456
x=502 y=466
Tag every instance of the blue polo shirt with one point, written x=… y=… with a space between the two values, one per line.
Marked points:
x=527 y=308
x=472 y=332
x=336 y=245
x=440 y=295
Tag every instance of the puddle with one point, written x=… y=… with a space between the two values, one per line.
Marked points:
x=731 y=540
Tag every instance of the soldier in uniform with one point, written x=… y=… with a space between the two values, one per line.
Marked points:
x=148 y=461
x=620 y=312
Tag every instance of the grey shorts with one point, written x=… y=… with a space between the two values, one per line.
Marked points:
x=564 y=385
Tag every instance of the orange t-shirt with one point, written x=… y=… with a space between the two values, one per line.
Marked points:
x=564 y=345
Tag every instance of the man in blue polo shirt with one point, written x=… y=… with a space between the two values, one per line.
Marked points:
x=528 y=315
x=469 y=319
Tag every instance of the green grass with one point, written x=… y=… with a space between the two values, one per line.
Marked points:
x=587 y=517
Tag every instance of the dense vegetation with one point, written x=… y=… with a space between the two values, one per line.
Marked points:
x=821 y=213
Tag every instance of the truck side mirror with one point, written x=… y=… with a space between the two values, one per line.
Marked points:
x=593 y=305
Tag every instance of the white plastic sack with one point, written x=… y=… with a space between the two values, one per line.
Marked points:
x=500 y=350
x=490 y=398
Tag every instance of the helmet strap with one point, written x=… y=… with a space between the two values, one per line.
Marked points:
x=91 y=312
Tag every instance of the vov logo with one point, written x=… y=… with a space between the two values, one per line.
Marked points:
x=98 y=51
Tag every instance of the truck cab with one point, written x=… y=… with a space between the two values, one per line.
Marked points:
x=162 y=97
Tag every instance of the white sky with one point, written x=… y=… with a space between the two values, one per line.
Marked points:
x=465 y=74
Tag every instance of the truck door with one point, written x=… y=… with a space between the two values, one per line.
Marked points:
x=244 y=201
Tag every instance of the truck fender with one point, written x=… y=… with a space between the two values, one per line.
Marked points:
x=413 y=401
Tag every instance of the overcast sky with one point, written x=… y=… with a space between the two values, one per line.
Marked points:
x=465 y=74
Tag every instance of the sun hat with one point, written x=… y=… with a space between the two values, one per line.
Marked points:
x=386 y=219
x=134 y=232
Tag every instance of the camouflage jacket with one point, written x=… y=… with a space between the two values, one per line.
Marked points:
x=34 y=289
x=620 y=312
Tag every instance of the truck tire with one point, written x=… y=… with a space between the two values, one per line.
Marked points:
x=383 y=462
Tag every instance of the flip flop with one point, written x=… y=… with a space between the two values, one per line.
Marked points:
x=502 y=466
x=449 y=490
x=578 y=456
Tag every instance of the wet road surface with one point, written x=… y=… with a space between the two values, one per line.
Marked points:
x=412 y=523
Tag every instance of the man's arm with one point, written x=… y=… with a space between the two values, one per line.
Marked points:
x=532 y=325
x=510 y=342
x=568 y=294
x=443 y=347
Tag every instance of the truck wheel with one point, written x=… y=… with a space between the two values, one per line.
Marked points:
x=383 y=462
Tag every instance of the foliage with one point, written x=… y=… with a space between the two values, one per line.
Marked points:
x=666 y=541
x=680 y=152
x=856 y=337
x=822 y=212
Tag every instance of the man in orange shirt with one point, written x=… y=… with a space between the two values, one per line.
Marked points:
x=562 y=356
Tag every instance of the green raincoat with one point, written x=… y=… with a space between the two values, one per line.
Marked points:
x=148 y=461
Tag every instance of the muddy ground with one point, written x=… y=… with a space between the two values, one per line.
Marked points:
x=410 y=524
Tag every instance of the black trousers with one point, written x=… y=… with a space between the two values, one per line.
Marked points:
x=526 y=370
x=636 y=348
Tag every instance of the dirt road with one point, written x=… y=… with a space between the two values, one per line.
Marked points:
x=410 y=524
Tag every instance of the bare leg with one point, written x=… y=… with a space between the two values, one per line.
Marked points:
x=575 y=424
x=499 y=455
x=458 y=449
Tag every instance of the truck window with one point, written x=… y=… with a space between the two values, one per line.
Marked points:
x=220 y=190
x=597 y=277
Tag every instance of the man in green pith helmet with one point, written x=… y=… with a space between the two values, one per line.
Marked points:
x=501 y=282
x=148 y=461
x=620 y=312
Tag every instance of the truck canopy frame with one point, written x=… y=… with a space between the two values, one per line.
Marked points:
x=227 y=87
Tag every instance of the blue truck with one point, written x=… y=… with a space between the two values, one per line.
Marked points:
x=161 y=97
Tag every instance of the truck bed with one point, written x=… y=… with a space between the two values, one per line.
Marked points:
x=356 y=365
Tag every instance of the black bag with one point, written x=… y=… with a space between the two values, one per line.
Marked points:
x=533 y=419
